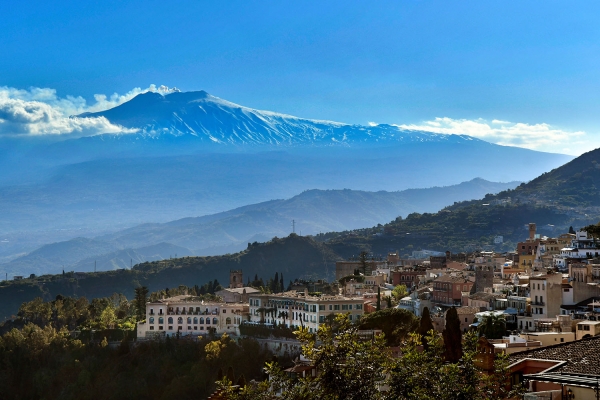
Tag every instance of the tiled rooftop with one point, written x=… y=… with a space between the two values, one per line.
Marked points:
x=582 y=356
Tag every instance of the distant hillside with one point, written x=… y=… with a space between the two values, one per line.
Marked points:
x=293 y=256
x=575 y=184
x=566 y=196
x=314 y=211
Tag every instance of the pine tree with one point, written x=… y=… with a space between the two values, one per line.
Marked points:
x=452 y=337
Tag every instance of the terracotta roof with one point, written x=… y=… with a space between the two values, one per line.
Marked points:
x=448 y=278
x=467 y=310
x=581 y=356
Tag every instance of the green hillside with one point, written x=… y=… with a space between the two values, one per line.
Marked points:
x=294 y=257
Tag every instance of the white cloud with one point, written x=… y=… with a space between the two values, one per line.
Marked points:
x=39 y=111
x=542 y=137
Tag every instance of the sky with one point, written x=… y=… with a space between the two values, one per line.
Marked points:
x=515 y=73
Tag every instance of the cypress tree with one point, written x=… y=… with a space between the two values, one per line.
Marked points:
x=452 y=337
x=230 y=374
x=241 y=382
x=425 y=326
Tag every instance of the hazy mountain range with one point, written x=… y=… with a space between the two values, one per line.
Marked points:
x=314 y=211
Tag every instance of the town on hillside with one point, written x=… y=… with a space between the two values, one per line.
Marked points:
x=538 y=305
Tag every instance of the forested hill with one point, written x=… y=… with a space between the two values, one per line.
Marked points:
x=293 y=256
x=575 y=184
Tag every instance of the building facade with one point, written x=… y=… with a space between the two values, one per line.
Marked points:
x=296 y=309
x=186 y=315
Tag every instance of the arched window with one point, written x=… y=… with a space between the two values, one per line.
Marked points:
x=189 y=320
x=208 y=321
x=180 y=320
x=195 y=320
x=201 y=320
x=215 y=321
x=170 y=320
x=228 y=321
x=151 y=320
x=161 y=320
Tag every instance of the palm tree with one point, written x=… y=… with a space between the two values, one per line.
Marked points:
x=493 y=326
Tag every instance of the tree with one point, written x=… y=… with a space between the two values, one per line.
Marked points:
x=492 y=326
x=571 y=230
x=378 y=299
x=452 y=337
x=363 y=261
x=140 y=299
x=399 y=292
x=425 y=325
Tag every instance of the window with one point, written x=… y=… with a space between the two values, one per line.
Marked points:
x=189 y=328
x=228 y=321
x=336 y=306
x=152 y=327
x=151 y=311
x=160 y=328
x=180 y=328
x=344 y=306
x=180 y=320
x=330 y=307
x=189 y=320
x=195 y=320
x=170 y=328
x=161 y=320
x=359 y=306
x=224 y=311
x=321 y=307
x=151 y=320
x=201 y=320
x=170 y=320
x=215 y=321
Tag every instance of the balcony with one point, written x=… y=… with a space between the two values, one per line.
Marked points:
x=538 y=303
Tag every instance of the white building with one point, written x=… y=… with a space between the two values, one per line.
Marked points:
x=187 y=315
x=295 y=309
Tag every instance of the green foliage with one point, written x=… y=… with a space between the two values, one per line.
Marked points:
x=492 y=326
x=395 y=323
x=399 y=292
x=45 y=363
x=349 y=367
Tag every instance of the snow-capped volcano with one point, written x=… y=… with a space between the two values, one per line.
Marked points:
x=215 y=120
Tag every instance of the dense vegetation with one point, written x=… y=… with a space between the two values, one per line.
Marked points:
x=352 y=368
x=72 y=348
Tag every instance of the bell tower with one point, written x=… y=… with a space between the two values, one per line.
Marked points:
x=236 y=279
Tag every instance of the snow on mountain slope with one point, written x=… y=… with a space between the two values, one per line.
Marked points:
x=214 y=120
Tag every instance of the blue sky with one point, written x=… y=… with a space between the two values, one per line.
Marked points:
x=517 y=73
